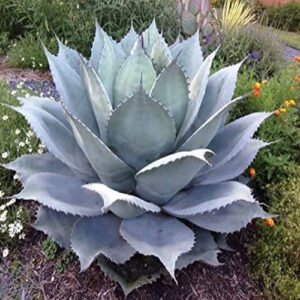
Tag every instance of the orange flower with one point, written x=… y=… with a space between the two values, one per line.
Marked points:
x=297 y=59
x=297 y=79
x=257 y=93
x=257 y=86
x=252 y=172
x=270 y=222
x=277 y=112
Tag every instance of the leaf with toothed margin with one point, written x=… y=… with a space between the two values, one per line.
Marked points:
x=140 y=130
x=123 y=205
x=171 y=89
x=197 y=90
x=150 y=36
x=55 y=224
x=136 y=68
x=221 y=240
x=57 y=137
x=233 y=137
x=190 y=55
x=71 y=56
x=97 y=47
x=100 y=235
x=206 y=132
x=234 y=167
x=110 y=169
x=129 y=40
x=230 y=218
x=61 y=193
x=128 y=284
x=112 y=58
x=27 y=165
x=159 y=181
x=174 y=45
x=161 y=55
x=71 y=90
x=205 y=250
x=98 y=97
x=219 y=91
x=161 y=236
x=202 y=199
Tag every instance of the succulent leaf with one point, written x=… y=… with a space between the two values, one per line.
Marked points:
x=171 y=90
x=97 y=47
x=159 y=181
x=137 y=67
x=100 y=235
x=205 y=249
x=61 y=193
x=98 y=97
x=27 y=165
x=189 y=22
x=140 y=130
x=206 y=198
x=109 y=167
x=158 y=235
x=195 y=6
x=161 y=55
x=150 y=36
x=123 y=205
x=129 y=40
x=230 y=218
x=221 y=240
x=55 y=224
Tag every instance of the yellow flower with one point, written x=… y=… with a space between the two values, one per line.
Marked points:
x=265 y=81
x=287 y=103
x=292 y=102
x=270 y=222
x=257 y=86
x=283 y=110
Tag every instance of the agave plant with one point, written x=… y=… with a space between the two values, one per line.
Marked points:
x=141 y=160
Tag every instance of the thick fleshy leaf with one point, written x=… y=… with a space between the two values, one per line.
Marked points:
x=71 y=90
x=205 y=250
x=161 y=55
x=97 y=47
x=129 y=40
x=171 y=89
x=150 y=37
x=197 y=90
x=71 y=56
x=189 y=22
x=196 y=5
x=158 y=235
x=233 y=137
x=123 y=205
x=161 y=180
x=206 y=132
x=219 y=91
x=140 y=130
x=55 y=224
x=206 y=198
x=190 y=55
x=100 y=235
x=98 y=97
x=137 y=67
x=58 y=138
x=27 y=165
x=112 y=57
x=221 y=240
x=109 y=168
x=234 y=167
x=61 y=193
x=230 y=218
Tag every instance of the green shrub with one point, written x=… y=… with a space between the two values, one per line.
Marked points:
x=4 y=42
x=265 y=51
x=275 y=256
x=285 y=17
x=27 y=52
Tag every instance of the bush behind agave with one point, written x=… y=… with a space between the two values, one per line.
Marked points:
x=140 y=158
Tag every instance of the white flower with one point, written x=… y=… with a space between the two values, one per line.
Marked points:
x=27 y=95
x=3 y=228
x=3 y=216
x=30 y=133
x=21 y=144
x=13 y=92
x=41 y=65
x=5 y=155
x=27 y=141
x=16 y=177
x=41 y=94
x=22 y=58
x=22 y=236
x=30 y=150
x=17 y=131
x=2 y=207
x=40 y=151
x=5 y=252
x=5 y=117
x=77 y=6
x=14 y=229
x=1 y=194
x=11 y=202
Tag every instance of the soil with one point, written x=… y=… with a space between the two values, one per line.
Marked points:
x=26 y=274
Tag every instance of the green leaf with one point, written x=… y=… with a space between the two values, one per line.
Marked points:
x=28 y=165
x=123 y=205
x=140 y=130
x=230 y=218
x=100 y=235
x=206 y=198
x=136 y=67
x=109 y=168
x=55 y=224
x=161 y=180
x=189 y=22
x=158 y=235
x=61 y=193
x=171 y=90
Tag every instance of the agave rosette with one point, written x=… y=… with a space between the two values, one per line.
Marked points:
x=140 y=158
